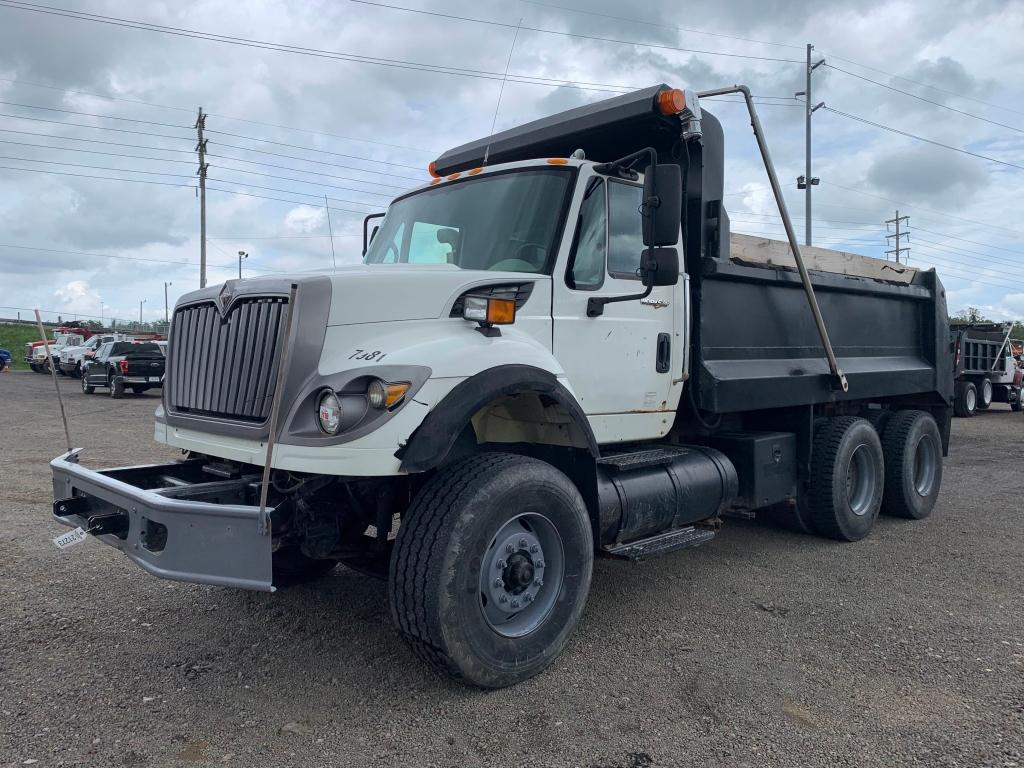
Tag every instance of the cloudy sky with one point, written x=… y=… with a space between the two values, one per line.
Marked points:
x=352 y=99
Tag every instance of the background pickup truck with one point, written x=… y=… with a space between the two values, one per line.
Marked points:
x=118 y=365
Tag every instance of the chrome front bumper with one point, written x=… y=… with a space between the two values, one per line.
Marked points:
x=168 y=521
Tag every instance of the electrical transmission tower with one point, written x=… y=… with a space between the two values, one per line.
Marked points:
x=898 y=247
x=203 y=166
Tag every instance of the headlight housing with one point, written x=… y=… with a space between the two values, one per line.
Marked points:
x=329 y=413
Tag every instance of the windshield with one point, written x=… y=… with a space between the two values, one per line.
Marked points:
x=505 y=222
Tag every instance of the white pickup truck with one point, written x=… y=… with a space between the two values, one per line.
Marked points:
x=553 y=351
x=72 y=358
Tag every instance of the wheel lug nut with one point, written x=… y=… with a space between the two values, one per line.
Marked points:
x=515 y=603
x=499 y=583
x=523 y=543
x=509 y=548
x=500 y=565
x=534 y=549
x=527 y=597
x=538 y=583
x=502 y=599
x=539 y=564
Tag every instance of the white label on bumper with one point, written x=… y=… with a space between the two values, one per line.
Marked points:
x=154 y=379
x=71 y=538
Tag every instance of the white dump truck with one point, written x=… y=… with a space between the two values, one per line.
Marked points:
x=553 y=351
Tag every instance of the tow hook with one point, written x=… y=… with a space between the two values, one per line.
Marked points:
x=115 y=523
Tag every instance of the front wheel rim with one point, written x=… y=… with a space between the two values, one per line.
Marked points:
x=861 y=480
x=972 y=399
x=521 y=574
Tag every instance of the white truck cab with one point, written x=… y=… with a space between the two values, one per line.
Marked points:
x=553 y=351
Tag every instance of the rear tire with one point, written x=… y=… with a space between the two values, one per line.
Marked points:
x=984 y=394
x=912 y=448
x=291 y=567
x=966 y=403
x=491 y=569
x=847 y=478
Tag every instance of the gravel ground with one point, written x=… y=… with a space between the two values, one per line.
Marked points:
x=763 y=648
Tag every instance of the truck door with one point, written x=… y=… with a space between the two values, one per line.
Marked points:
x=620 y=364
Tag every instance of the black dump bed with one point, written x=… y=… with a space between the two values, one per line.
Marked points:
x=754 y=341
x=978 y=348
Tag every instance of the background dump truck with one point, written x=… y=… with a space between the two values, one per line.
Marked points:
x=984 y=366
x=552 y=351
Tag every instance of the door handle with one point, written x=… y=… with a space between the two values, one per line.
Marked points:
x=663 y=360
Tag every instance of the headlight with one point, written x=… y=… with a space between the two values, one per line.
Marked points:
x=381 y=394
x=328 y=413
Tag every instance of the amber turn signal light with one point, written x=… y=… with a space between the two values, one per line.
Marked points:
x=490 y=310
x=432 y=169
x=671 y=102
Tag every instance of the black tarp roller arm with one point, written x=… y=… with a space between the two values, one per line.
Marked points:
x=838 y=377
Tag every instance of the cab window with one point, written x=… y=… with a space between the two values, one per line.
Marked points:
x=586 y=272
x=625 y=236
x=433 y=244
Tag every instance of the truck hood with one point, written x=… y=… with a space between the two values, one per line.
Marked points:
x=375 y=293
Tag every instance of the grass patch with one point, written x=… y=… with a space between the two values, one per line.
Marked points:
x=14 y=337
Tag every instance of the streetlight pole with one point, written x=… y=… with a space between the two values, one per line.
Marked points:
x=241 y=255
x=140 y=312
x=167 y=317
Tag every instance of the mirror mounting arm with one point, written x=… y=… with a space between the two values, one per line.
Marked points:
x=595 y=304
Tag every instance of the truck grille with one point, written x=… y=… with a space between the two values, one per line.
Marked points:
x=225 y=367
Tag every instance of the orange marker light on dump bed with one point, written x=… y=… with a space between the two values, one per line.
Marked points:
x=671 y=102
x=432 y=169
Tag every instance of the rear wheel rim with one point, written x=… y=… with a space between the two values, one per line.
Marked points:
x=925 y=466
x=986 y=392
x=861 y=480
x=971 y=399
x=521 y=574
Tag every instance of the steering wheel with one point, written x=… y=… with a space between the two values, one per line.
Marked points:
x=528 y=257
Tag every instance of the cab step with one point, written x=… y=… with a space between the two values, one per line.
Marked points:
x=661 y=543
x=642 y=457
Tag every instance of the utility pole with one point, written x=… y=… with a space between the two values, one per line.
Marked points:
x=167 y=316
x=807 y=181
x=143 y=301
x=241 y=255
x=203 y=166
x=898 y=249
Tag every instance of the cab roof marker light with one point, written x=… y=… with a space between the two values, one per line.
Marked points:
x=475 y=171
x=671 y=102
x=453 y=176
x=432 y=169
x=557 y=161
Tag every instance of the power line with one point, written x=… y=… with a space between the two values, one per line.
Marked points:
x=95 y=141
x=93 y=114
x=95 y=167
x=100 y=255
x=927 y=101
x=660 y=25
x=308 y=149
x=290 y=192
x=305 y=181
x=316 y=173
x=283 y=48
x=965 y=240
x=319 y=162
x=957 y=94
x=922 y=138
x=93 y=127
x=155 y=105
x=943 y=214
x=88 y=176
x=94 y=151
x=573 y=34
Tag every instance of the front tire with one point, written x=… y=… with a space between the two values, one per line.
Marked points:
x=87 y=388
x=912 y=448
x=1015 y=403
x=491 y=569
x=116 y=385
x=847 y=478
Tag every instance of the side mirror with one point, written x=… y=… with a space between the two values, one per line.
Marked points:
x=659 y=266
x=662 y=208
